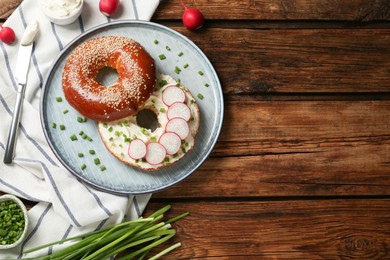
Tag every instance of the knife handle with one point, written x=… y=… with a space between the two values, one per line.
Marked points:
x=12 y=135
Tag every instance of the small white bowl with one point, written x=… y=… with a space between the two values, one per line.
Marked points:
x=23 y=207
x=63 y=20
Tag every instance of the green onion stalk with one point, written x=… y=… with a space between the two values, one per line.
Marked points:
x=134 y=239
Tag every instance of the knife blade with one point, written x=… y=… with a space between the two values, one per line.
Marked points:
x=21 y=72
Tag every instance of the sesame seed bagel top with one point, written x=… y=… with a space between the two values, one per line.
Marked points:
x=136 y=78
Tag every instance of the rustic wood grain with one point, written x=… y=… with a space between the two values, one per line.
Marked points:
x=7 y=7
x=301 y=168
x=261 y=127
x=317 y=229
x=349 y=10
x=265 y=62
x=296 y=149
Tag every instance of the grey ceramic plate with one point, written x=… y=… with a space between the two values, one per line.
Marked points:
x=118 y=177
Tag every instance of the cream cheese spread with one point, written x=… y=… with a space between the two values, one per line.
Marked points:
x=29 y=33
x=61 y=8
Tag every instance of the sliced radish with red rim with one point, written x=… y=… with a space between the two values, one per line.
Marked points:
x=179 y=110
x=173 y=94
x=171 y=141
x=179 y=126
x=155 y=153
x=137 y=149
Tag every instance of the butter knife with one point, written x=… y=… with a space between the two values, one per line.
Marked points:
x=21 y=71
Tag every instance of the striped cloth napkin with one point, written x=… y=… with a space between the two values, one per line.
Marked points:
x=65 y=207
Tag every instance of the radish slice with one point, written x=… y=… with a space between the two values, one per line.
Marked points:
x=179 y=109
x=171 y=142
x=173 y=94
x=155 y=153
x=179 y=126
x=137 y=149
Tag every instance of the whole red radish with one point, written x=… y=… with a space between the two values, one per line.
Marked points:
x=108 y=7
x=192 y=18
x=7 y=35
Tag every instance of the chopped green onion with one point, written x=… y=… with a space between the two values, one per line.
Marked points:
x=155 y=41
x=83 y=166
x=206 y=85
x=145 y=131
x=92 y=152
x=178 y=82
x=200 y=96
x=105 y=125
x=162 y=110
x=162 y=83
x=177 y=70
x=11 y=222
x=168 y=48
x=185 y=65
x=73 y=138
x=54 y=125
x=84 y=136
x=89 y=139
x=62 y=127
x=96 y=161
x=80 y=119
x=59 y=99
x=200 y=73
x=80 y=155
x=102 y=168
x=65 y=111
x=180 y=54
x=162 y=57
x=110 y=129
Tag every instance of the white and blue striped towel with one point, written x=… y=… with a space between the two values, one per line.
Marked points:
x=65 y=206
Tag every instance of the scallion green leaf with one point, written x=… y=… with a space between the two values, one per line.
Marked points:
x=137 y=237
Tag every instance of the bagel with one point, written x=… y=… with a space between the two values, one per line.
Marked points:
x=152 y=149
x=136 y=78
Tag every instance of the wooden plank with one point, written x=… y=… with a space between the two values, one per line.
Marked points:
x=325 y=229
x=266 y=62
x=286 y=124
x=296 y=149
x=7 y=7
x=346 y=10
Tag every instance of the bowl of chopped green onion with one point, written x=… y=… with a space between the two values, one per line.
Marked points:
x=13 y=221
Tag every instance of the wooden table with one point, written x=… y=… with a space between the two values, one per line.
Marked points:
x=302 y=166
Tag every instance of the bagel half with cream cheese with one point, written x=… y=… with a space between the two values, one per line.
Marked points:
x=178 y=121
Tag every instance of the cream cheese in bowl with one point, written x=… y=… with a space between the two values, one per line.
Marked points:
x=62 y=12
